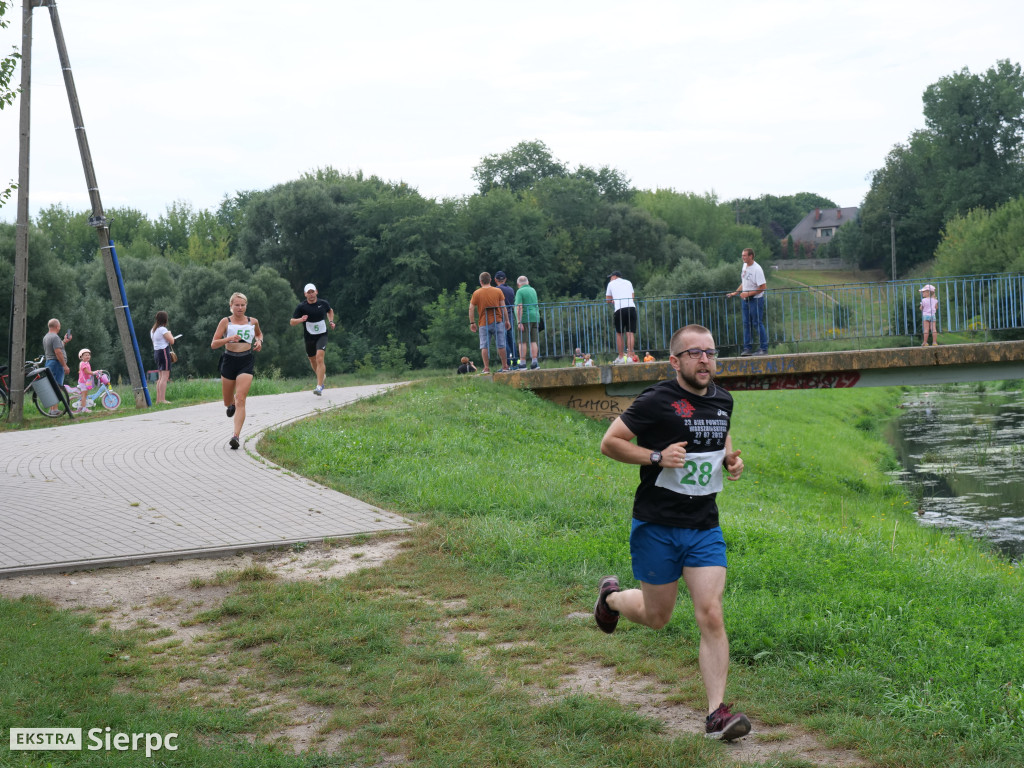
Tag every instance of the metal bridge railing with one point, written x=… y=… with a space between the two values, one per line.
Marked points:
x=795 y=315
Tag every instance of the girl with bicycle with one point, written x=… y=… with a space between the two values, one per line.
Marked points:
x=238 y=336
x=84 y=377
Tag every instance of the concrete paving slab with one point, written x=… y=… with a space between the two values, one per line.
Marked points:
x=164 y=485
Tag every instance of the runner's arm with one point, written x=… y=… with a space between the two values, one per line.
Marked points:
x=257 y=342
x=733 y=462
x=618 y=444
x=219 y=339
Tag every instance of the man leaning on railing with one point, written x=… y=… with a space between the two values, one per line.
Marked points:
x=752 y=289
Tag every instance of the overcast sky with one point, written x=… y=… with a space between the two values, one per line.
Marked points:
x=191 y=101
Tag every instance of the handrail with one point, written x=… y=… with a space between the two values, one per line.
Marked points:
x=842 y=313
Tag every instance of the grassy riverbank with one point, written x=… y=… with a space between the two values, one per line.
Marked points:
x=846 y=619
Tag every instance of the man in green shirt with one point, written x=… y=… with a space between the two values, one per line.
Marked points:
x=528 y=318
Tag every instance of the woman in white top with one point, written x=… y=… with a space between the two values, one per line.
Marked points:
x=162 y=343
x=238 y=336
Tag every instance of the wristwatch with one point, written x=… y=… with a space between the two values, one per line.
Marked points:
x=656 y=458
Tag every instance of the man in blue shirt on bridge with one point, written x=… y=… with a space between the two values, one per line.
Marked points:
x=510 y=300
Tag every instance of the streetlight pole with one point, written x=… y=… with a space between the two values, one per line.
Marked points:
x=892 y=243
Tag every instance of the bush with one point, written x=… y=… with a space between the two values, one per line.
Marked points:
x=448 y=337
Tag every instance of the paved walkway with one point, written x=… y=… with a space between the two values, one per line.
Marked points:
x=164 y=485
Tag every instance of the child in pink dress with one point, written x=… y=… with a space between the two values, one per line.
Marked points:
x=84 y=377
x=929 y=311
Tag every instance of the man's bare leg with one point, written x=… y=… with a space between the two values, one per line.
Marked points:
x=651 y=605
x=706 y=587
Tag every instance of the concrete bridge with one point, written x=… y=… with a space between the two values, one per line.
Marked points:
x=605 y=391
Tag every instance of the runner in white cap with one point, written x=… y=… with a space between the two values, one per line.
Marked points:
x=315 y=315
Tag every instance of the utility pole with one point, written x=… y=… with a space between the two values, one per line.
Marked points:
x=19 y=308
x=98 y=220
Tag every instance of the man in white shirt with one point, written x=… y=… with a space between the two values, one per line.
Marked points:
x=619 y=294
x=751 y=291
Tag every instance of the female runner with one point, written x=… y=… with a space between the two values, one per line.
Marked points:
x=239 y=336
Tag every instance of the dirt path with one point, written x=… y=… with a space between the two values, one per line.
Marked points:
x=164 y=596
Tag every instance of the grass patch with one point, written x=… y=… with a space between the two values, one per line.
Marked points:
x=899 y=642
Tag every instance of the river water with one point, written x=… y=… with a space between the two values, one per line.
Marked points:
x=962 y=453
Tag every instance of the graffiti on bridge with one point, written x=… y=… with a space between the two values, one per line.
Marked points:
x=834 y=380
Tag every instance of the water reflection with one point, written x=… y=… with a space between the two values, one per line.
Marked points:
x=963 y=451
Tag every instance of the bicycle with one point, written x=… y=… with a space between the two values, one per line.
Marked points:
x=101 y=391
x=35 y=370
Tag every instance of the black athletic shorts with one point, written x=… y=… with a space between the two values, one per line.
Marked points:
x=234 y=364
x=625 y=320
x=314 y=343
x=162 y=358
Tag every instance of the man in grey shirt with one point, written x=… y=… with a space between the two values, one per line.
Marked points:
x=56 y=357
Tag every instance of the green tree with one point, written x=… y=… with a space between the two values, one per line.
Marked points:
x=970 y=155
x=405 y=257
x=186 y=235
x=692 y=276
x=704 y=220
x=776 y=216
x=447 y=337
x=508 y=232
x=983 y=241
x=68 y=234
x=977 y=122
x=56 y=289
x=306 y=229
x=519 y=168
x=904 y=193
x=232 y=212
x=613 y=185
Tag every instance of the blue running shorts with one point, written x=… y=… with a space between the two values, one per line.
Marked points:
x=660 y=552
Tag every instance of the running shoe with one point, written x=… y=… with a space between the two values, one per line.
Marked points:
x=318 y=390
x=534 y=365
x=233 y=442
x=725 y=725
x=231 y=410
x=605 y=617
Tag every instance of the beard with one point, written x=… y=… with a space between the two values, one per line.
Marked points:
x=691 y=380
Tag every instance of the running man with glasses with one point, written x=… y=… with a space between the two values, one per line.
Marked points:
x=684 y=449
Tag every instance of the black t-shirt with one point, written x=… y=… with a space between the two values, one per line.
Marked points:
x=665 y=414
x=316 y=313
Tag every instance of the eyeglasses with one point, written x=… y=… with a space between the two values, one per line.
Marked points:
x=696 y=353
